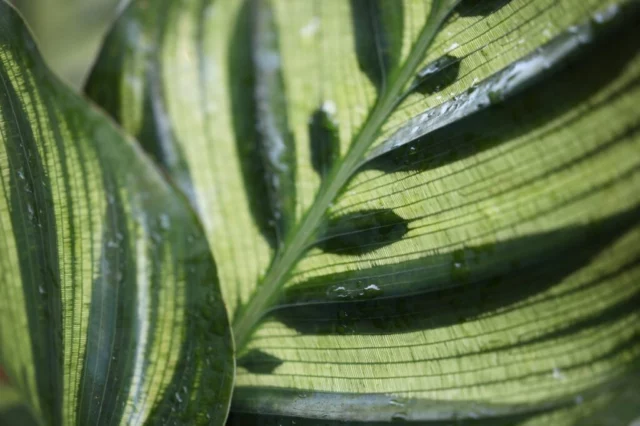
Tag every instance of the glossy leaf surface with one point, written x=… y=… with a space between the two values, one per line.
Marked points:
x=110 y=309
x=421 y=210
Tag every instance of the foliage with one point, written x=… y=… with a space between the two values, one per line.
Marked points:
x=421 y=211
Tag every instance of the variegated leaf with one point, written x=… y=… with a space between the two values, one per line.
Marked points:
x=110 y=309
x=421 y=210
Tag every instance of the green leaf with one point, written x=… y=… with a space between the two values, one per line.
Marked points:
x=110 y=309
x=462 y=240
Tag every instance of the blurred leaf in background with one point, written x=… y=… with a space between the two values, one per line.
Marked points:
x=69 y=32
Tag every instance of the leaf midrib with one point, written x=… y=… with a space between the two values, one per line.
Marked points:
x=262 y=299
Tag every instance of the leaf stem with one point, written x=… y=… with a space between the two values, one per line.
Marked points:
x=264 y=296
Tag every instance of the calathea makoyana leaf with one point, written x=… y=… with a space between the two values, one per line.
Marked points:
x=463 y=238
x=110 y=310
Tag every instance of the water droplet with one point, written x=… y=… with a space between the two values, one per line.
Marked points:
x=311 y=28
x=41 y=290
x=459 y=269
x=337 y=292
x=437 y=75
x=453 y=46
x=399 y=417
x=372 y=290
x=396 y=402
x=21 y=174
x=178 y=397
x=329 y=107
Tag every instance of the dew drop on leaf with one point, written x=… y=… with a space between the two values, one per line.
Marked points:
x=399 y=417
x=337 y=292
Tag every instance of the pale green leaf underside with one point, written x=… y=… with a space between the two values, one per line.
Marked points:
x=493 y=157
x=110 y=311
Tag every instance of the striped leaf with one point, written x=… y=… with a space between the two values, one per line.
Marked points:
x=110 y=309
x=421 y=210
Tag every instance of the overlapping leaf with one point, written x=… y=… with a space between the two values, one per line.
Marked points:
x=110 y=311
x=434 y=202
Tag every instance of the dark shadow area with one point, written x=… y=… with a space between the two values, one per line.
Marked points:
x=362 y=231
x=294 y=404
x=155 y=131
x=482 y=291
x=258 y=362
x=275 y=139
x=467 y=8
x=247 y=419
x=105 y=77
x=380 y=409
x=525 y=111
x=378 y=29
x=18 y=416
x=437 y=75
x=324 y=140
x=244 y=114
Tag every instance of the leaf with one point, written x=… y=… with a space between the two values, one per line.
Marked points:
x=110 y=309
x=495 y=141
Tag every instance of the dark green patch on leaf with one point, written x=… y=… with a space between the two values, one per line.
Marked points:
x=437 y=75
x=275 y=139
x=363 y=231
x=468 y=8
x=18 y=415
x=324 y=138
x=242 y=90
x=378 y=28
x=259 y=362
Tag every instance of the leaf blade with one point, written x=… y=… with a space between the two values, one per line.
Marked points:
x=103 y=266
x=461 y=196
